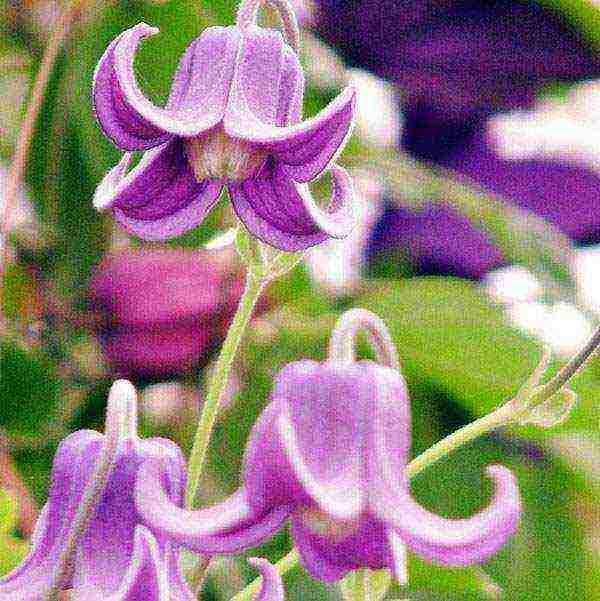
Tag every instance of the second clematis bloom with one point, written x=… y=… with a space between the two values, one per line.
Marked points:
x=331 y=450
x=233 y=118
x=89 y=538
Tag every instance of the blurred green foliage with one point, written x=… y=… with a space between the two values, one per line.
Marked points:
x=12 y=549
x=460 y=357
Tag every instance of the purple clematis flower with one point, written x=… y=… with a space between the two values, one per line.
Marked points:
x=233 y=118
x=330 y=451
x=89 y=538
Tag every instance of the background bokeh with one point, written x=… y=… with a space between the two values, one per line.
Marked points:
x=476 y=158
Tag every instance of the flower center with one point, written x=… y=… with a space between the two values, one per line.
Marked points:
x=323 y=525
x=215 y=155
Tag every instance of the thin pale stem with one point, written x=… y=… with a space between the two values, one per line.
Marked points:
x=218 y=382
x=19 y=161
x=572 y=367
x=498 y=418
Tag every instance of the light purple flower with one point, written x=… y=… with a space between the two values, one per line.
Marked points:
x=89 y=537
x=330 y=451
x=233 y=118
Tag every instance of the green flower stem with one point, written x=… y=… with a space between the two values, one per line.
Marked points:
x=498 y=418
x=218 y=382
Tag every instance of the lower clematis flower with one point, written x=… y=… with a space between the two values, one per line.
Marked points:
x=330 y=451
x=233 y=119
x=89 y=538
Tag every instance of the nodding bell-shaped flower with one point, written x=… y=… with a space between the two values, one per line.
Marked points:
x=233 y=119
x=89 y=538
x=330 y=450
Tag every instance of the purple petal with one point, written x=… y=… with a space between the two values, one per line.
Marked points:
x=306 y=449
x=361 y=544
x=272 y=587
x=459 y=57
x=254 y=96
x=180 y=591
x=316 y=563
x=283 y=213
x=160 y=198
x=437 y=240
x=228 y=527
x=291 y=90
x=198 y=97
x=72 y=470
x=146 y=576
x=307 y=148
x=564 y=193
x=458 y=542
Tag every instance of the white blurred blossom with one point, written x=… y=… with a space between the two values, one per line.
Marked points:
x=21 y=217
x=377 y=115
x=323 y=68
x=587 y=275
x=560 y=325
x=567 y=129
x=337 y=265
x=512 y=284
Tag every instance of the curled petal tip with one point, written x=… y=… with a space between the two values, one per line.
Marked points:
x=458 y=542
x=121 y=412
x=272 y=586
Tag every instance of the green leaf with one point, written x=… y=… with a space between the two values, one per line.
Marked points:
x=582 y=14
x=29 y=389
x=449 y=336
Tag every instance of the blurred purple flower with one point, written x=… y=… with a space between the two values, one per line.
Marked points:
x=439 y=240
x=89 y=538
x=233 y=119
x=457 y=62
x=163 y=309
x=330 y=450
x=460 y=57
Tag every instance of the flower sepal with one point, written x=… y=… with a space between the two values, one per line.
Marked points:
x=264 y=262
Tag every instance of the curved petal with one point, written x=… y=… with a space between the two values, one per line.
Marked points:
x=228 y=527
x=73 y=467
x=291 y=90
x=180 y=591
x=198 y=97
x=307 y=447
x=316 y=563
x=283 y=213
x=272 y=587
x=307 y=148
x=160 y=198
x=105 y=550
x=453 y=542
